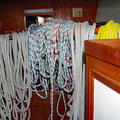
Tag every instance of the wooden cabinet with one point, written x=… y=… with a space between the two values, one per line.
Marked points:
x=41 y=109
x=103 y=64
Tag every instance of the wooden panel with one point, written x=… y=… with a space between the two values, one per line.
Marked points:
x=11 y=15
x=107 y=50
x=41 y=109
x=106 y=73
x=102 y=65
x=12 y=11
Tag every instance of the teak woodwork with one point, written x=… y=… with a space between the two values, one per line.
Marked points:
x=12 y=11
x=102 y=63
x=41 y=109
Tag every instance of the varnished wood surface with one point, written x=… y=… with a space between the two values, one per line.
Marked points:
x=100 y=65
x=12 y=11
x=107 y=50
x=41 y=109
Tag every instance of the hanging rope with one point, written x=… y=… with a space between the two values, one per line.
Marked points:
x=82 y=33
x=15 y=59
x=55 y=63
x=52 y=57
x=5 y=99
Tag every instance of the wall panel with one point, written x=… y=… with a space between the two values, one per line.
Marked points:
x=12 y=11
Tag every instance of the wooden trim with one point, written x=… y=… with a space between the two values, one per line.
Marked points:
x=106 y=50
x=89 y=105
x=39 y=14
x=91 y=95
x=87 y=96
x=90 y=87
x=106 y=80
x=105 y=73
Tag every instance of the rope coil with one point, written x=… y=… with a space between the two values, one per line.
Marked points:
x=40 y=60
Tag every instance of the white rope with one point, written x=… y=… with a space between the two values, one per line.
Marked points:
x=51 y=61
x=82 y=32
x=15 y=57
x=5 y=99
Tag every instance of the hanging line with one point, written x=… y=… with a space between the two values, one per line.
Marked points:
x=48 y=55
x=64 y=75
x=15 y=59
x=44 y=39
x=5 y=99
x=82 y=33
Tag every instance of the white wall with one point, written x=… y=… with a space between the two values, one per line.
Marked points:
x=106 y=103
x=108 y=10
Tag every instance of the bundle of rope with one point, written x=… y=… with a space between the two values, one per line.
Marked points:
x=50 y=57
x=5 y=99
x=109 y=31
x=55 y=63
x=15 y=59
x=83 y=31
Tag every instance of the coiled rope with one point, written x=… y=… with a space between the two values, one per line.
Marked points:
x=51 y=55
x=15 y=59
x=5 y=99
x=55 y=63
x=82 y=33
x=109 y=31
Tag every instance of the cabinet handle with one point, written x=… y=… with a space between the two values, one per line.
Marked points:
x=37 y=106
